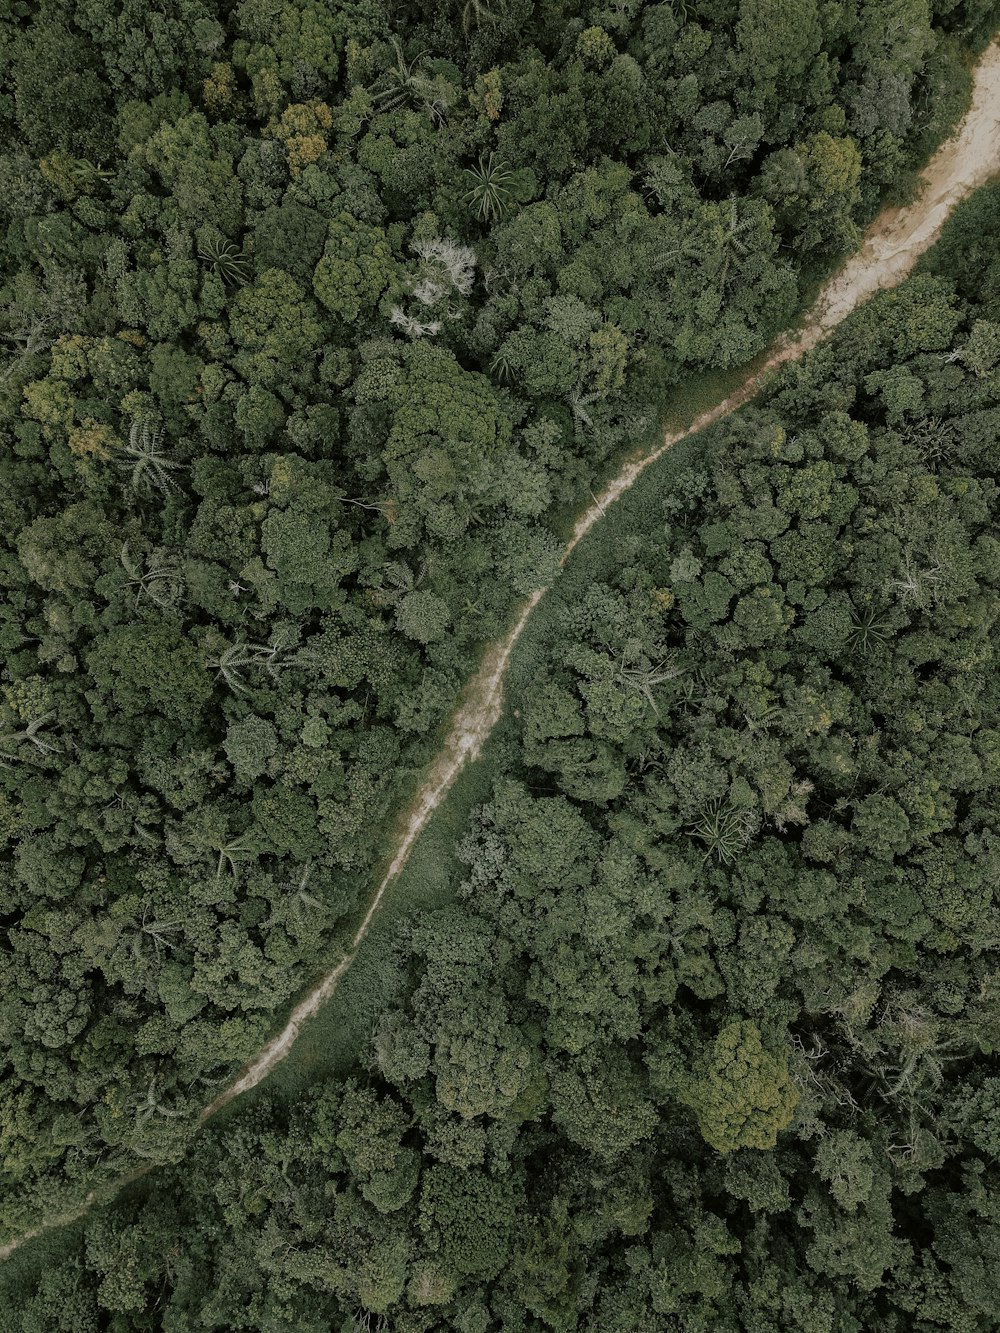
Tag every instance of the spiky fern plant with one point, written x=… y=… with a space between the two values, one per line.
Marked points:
x=867 y=630
x=724 y=830
x=489 y=193
x=232 y=265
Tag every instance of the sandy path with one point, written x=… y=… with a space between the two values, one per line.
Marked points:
x=892 y=245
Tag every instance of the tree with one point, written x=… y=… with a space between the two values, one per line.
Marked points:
x=423 y=616
x=59 y=96
x=356 y=268
x=778 y=56
x=150 y=668
x=446 y=439
x=249 y=744
x=276 y=329
x=370 y=1139
x=469 y=1219
x=741 y=1094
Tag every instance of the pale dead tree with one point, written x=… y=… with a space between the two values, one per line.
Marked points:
x=455 y=263
x=428 y=291
x=362 y=1320
x=501 y=277
x=793 y=811
x=446 y=270
x=383 y=507
x=414 y=328
x=742 y=138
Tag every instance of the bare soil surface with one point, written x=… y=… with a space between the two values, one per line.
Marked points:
x=892 y=245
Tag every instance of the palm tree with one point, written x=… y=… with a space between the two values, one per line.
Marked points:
x=148 y=465
x=407 y=83
x=685 y=244
x=475 y=13
x=30 y=341
x=401 y=580
x=233 y=854
x=868 y=630
x=10 y=745
x=232 y=662
x=147 y=1108
x=158 y=582
x=503 y=366
x=731 y=242
x=645 y=676
x=934 y=438
x=579 y=402
x=158 y=931
x=303 y=899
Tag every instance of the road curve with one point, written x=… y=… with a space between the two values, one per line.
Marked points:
x=892 y=245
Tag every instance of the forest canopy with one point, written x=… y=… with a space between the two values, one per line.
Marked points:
x=319 y=319
x=706 y=1038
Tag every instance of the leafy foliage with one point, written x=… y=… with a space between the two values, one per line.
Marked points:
x=291 y=417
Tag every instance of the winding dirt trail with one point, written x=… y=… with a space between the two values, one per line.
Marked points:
x=892 y=245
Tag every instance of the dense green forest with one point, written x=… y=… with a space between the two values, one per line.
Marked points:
x=319 y=320
x=706 y=1040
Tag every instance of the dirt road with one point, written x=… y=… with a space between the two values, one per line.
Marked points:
x=892 y=245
